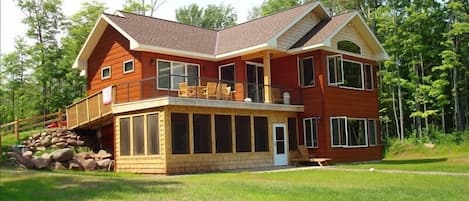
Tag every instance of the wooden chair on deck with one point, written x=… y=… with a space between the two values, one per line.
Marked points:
x=225 y=91
x=183 y=92
x=212 y=90
x=308 y=157
x=276 y=95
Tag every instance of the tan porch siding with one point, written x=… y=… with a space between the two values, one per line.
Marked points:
x=297 y=31
x=155 y=164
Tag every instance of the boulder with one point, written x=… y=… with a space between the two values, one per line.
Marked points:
x=57 y=166
x=71 y=142
x=54 y=140
x=26 y=162
x=40 y=162
x=36 y=136
x=103 y=163
x=62 y=155
x=28 y=154
x=75 y=165
x=89 y=164
x=40 y=148
x=60 y=144
x=80 y=143
x=102 y=154
x=46 y=141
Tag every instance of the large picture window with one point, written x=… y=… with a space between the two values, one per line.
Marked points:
x=310 y=126
x=227 y=75
x=353 y=74
x=171 y=73
x=349 y=132
x=307 y=71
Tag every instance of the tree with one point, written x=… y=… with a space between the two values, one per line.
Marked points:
x=211 y=17
x=141 y=7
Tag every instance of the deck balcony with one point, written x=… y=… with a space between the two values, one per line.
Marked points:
x=183 y=90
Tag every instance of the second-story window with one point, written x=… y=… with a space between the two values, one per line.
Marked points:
x=335 y=70
x=128 y=66
x=106 y=72
x=172 y=73
x=307 y=71
x=353 y=74
x=368 y=77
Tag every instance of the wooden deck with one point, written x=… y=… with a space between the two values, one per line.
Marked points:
x=87 y=110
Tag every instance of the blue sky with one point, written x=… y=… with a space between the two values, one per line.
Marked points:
x=11 y=16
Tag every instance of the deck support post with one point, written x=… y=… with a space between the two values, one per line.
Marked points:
x=267 y=80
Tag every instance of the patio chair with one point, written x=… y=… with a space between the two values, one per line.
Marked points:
x=225 y=92
x=309 y=157
x=183 y=90
x=276 y=95
x=212 y=90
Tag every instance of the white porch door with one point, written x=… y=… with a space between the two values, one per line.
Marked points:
x=280 y=145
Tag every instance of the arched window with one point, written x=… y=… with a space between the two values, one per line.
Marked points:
x=349 y=46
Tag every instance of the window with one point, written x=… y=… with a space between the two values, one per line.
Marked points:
x=307 y=71
x=349 y=132
x=349 y=46
x=372 y=132
x=292 y=132
x=223 y=133
x=353 y=74
x=243 y=133
x=180 y=133
x=106 y=72
x=368 y=76
x=124 y=137
x=138 y=135
x=310 y=126
x=128 y=66
x=153 y=140
x=202 y=133
x=171 y=73
x=335 y=69
x=261 y=134
x=227 y=75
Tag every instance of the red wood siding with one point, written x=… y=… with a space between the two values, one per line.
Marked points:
x=112 y=50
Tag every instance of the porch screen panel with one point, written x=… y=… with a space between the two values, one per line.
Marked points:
x=261 y=134
x=153 y=140
x=124 y=137
x=202 y=133
x=223 y=133
x=243 y=133
x=180 y=133
x=292 y=133
x=138 y=133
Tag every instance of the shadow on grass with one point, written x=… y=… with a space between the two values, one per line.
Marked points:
x=33 y=186
x=413 y=161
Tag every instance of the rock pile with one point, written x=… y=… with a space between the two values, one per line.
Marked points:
x=55 y=139
x=64 y=143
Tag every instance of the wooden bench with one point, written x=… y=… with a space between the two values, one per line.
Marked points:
x=307 y=157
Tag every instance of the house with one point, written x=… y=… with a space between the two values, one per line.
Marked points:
x=188 y=99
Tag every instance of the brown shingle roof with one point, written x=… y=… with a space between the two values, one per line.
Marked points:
x=166 y=34
x=322 y=30
x=174 y=35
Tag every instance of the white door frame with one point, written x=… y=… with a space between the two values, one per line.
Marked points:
x=280 y=159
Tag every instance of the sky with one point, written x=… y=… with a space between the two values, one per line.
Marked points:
x=11 y=15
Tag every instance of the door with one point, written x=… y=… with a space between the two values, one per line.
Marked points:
x=255 y=82
x=280 y=145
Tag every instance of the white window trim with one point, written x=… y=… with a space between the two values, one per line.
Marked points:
x=317 y=130
x=346 y=132
x=341 y=66
x=300 y=76
x=376 y=131
x=361 y=49
x=362 y=73
x=133 y=66
x=171 y=72
x=102 y=74
x=234 y=73
x=372 y=76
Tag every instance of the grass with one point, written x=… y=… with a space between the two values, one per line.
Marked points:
x=417 y=157
x=296 y=185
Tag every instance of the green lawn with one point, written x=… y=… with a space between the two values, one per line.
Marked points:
x=297 y=185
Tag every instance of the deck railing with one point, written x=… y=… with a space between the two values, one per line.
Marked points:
x=199 y=87
x=87 y=110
